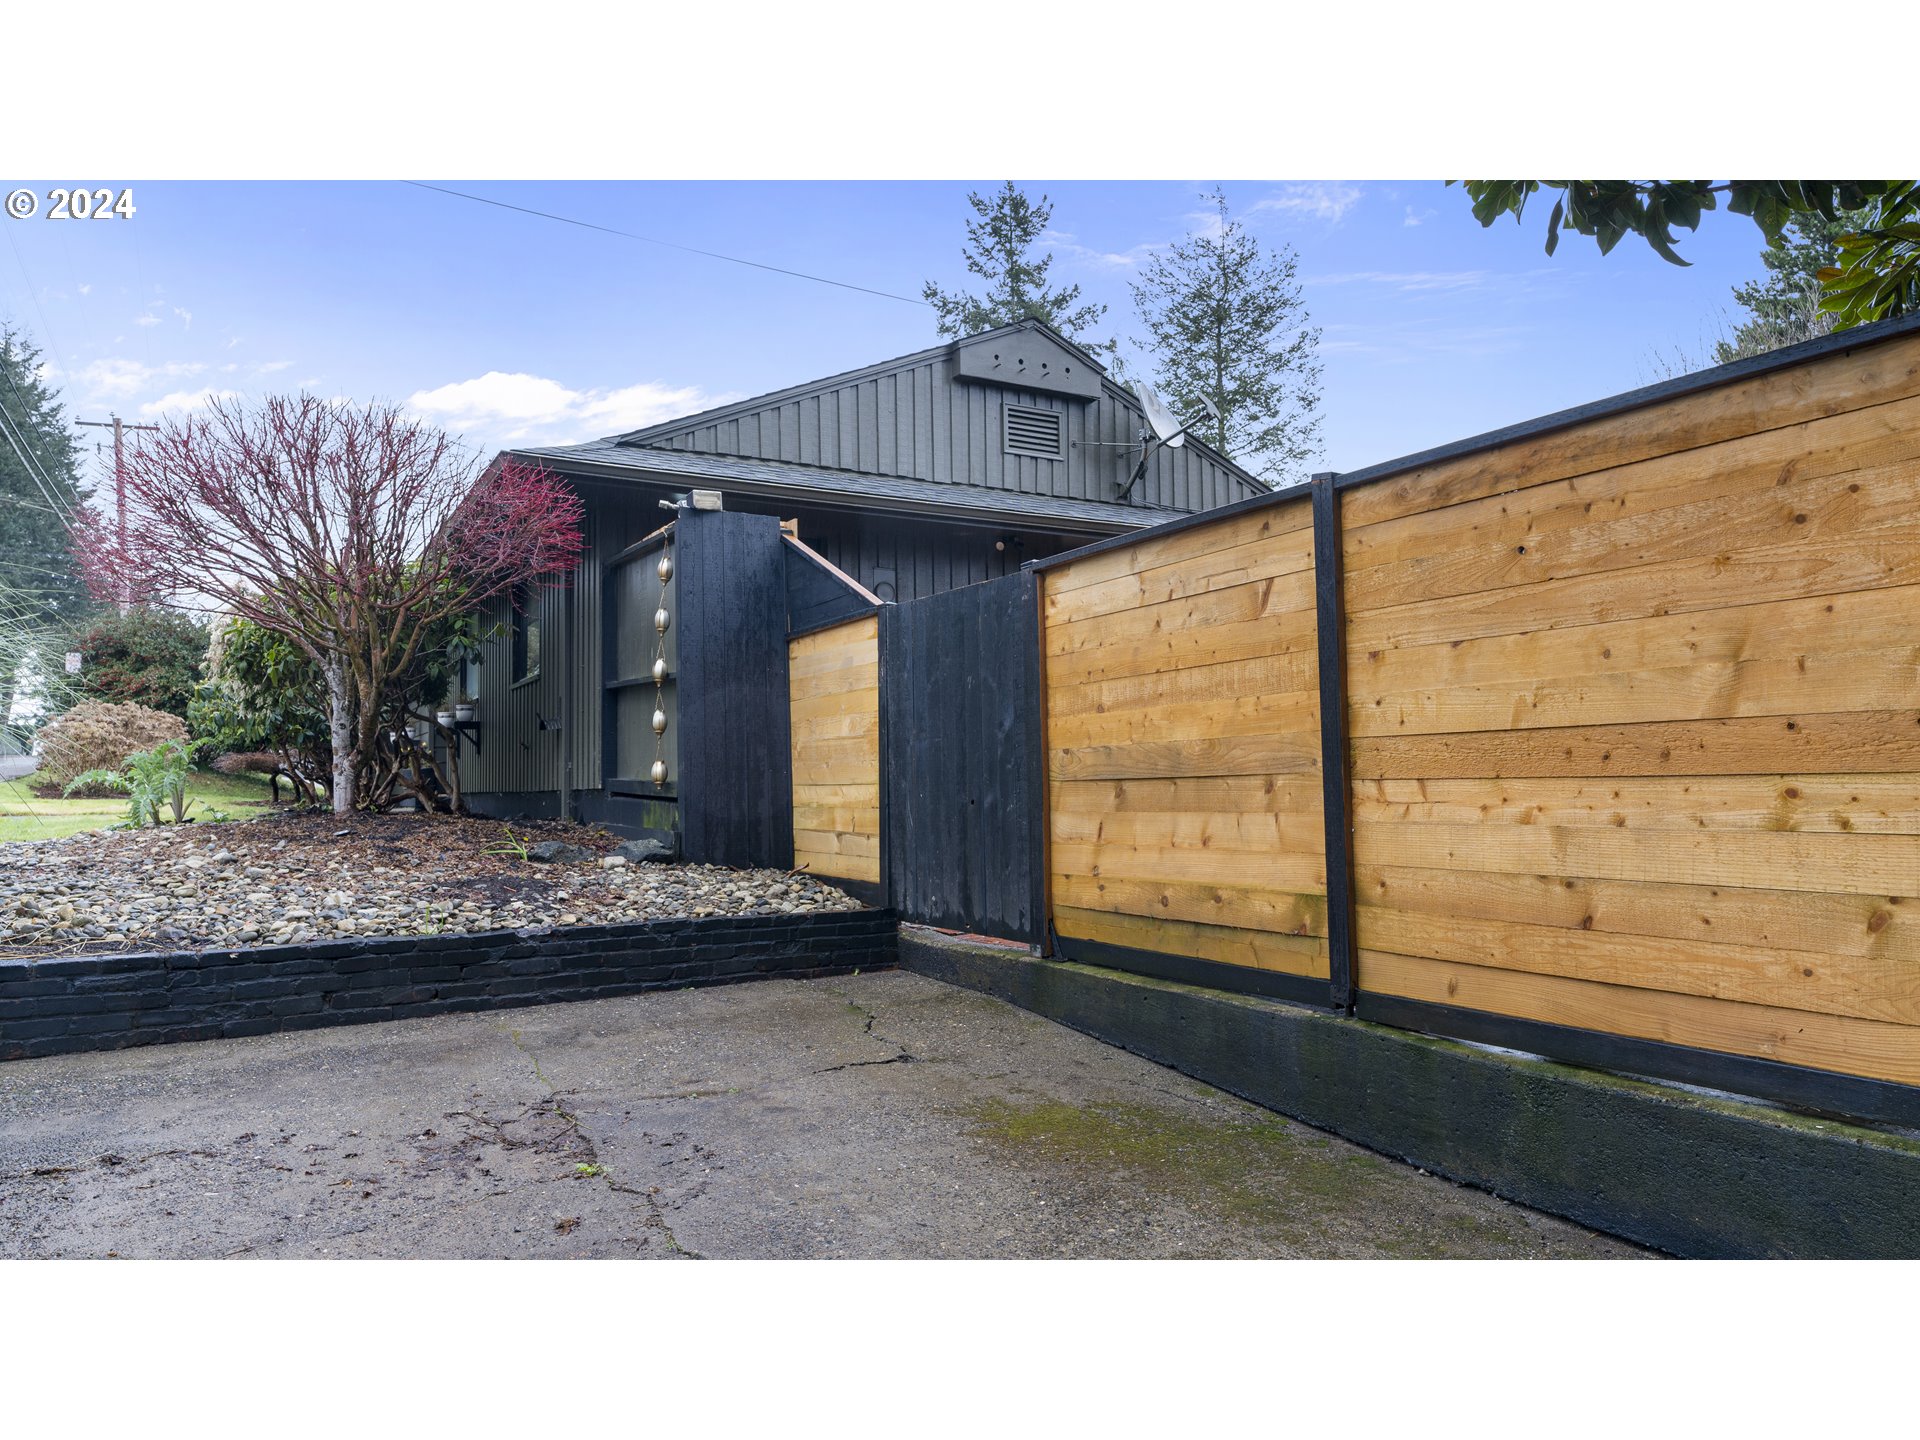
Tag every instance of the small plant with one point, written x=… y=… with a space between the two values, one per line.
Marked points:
x=154 y=782
x=588 y=1172
x=519 y=846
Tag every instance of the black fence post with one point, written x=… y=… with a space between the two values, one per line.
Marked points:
x=890 y=654
x=1037 y=788
x=1331 y=618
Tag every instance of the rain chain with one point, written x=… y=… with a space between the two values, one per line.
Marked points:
x=660 y=620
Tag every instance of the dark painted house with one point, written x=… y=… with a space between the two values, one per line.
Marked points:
x=898 y=481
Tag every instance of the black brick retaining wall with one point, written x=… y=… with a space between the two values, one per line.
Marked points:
x=53 y=1007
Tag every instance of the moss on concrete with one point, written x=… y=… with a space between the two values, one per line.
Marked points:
x=1307 y=1192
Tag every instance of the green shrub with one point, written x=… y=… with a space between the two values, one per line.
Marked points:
x=145 y=657
x=94 y=735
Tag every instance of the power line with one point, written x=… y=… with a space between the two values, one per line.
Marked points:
x=34 y=473
x=43 y=479
x=671 y=245
x=27 y=463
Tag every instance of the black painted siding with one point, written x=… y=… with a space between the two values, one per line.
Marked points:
x=735 y=783
x=898 y=559
x=964 y=788
x=915 y=417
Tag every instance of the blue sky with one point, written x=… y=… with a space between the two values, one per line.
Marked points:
x=508 y=327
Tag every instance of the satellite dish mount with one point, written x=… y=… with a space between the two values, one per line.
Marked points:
x=1168 y=431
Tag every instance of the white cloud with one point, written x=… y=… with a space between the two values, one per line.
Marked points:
x=118 y=376
x=272 y=367
x=504 y=408
x=1418 y=217
x=1063 y=242
x=1327 y=200
x=186 y=317
x=85 y=289
x=186 y=400
x=146 y=319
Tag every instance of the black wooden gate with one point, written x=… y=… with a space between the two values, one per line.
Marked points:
x=960 y=713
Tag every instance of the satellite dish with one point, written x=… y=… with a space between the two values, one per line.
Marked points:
x=1165 y=423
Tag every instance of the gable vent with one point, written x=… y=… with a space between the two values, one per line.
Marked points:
x=1035 y=432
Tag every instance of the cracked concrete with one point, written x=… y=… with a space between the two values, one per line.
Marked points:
x=875 y=1115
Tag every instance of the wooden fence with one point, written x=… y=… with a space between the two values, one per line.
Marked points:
x=1183 y=749
x=1598 y=738
x=1633 y=712
x=833 y=680
x=965 y=812
x=1625 y=736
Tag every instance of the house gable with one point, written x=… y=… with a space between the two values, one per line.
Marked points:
x=1018 y=409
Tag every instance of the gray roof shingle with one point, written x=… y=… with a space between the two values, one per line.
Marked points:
x=610 y=459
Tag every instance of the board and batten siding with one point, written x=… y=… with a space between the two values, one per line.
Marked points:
x=1182 y=732
x=1635 y=720
x=515 y=754
x=920 y=421
x=833 y=681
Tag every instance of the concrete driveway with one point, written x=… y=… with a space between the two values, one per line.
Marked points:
x=881 y=1115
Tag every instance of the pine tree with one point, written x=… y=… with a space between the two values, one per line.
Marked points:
x=39 y=466
x=1784 y=308
x=999 y=250
x=1229 y=329
x=40 y=587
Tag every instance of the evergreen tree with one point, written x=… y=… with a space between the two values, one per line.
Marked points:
x=999 y=249
x=40 y=587
x=37 y=455
x=1784 y=308
x=1229 y=329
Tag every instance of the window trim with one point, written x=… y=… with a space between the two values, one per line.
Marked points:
x=521 y=621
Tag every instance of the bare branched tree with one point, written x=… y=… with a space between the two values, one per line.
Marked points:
x=351 y=531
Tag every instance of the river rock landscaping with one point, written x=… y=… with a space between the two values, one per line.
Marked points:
x=290 y=878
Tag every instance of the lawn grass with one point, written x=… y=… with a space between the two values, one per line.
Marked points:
x=25 y=816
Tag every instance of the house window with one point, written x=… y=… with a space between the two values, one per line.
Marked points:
x=1034 y=432
x=526 y=639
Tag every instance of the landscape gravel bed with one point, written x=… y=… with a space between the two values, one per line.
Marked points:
x=289 y=878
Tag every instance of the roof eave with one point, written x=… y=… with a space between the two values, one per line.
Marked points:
x=988 y=516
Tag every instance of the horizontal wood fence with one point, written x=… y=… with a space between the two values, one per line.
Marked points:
x=1183 y=752
x=1598 y=738
x=833 y=680
x=1623 y=750
x=1635 y=719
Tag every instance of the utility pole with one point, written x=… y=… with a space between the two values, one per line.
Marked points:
x=119 y=428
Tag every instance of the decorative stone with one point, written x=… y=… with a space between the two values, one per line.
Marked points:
x=642 y=852
x=558 y=852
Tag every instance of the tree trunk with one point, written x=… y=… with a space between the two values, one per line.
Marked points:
x=340 y=725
